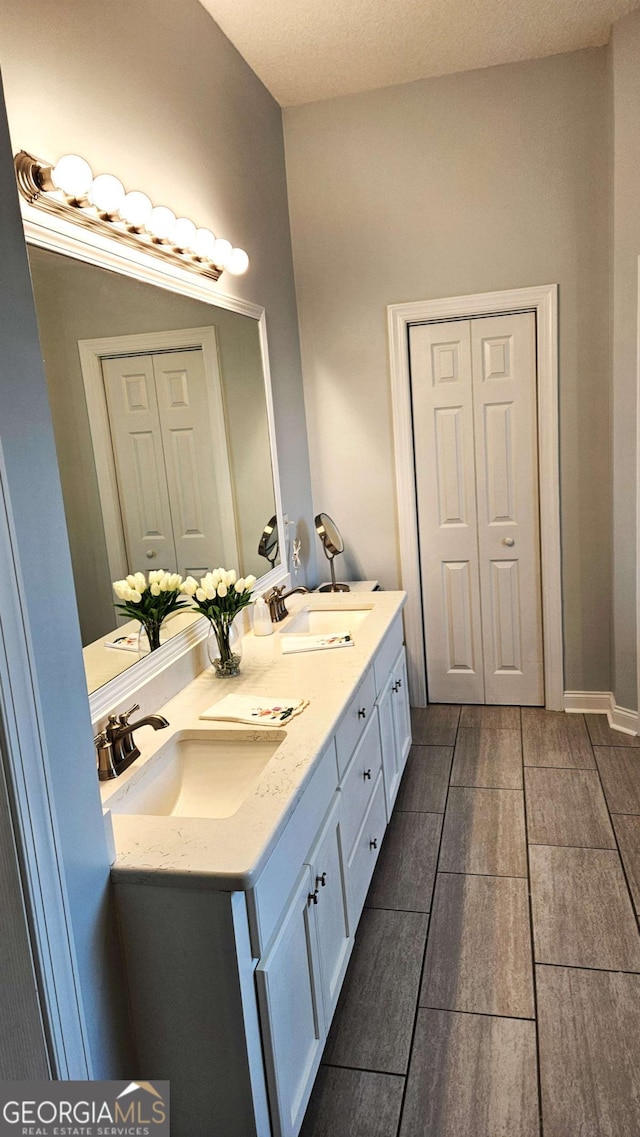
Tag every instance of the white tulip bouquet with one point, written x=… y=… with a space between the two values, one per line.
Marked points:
x=219 y=596
x=150 y=601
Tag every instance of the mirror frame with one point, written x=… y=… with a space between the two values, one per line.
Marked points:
x=60 y=236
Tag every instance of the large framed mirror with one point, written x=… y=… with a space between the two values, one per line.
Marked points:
x=162 y=412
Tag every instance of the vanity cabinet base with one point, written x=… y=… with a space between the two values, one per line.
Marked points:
x=232 y=994
x=193 y=1006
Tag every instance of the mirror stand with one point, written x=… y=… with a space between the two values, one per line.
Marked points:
x=332 y=545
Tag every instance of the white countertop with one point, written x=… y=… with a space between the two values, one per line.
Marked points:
x=230 y=853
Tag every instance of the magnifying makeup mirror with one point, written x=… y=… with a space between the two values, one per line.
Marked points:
x=332 y=544
x=269 y=545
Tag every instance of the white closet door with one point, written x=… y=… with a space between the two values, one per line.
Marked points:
x=140 y=467
x=188 y=449
x=475 y=432
x=445 y=483
x=503 y=350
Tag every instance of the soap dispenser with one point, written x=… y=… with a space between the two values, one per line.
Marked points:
x=262 y=625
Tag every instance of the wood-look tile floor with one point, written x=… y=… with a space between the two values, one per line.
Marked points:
x=494 y=987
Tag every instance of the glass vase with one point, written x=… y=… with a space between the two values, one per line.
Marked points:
x=149 y=637
x=224 y=648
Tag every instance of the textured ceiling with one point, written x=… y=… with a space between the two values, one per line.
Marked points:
x=304 y=50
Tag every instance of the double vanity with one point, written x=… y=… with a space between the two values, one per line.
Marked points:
x=244 y=856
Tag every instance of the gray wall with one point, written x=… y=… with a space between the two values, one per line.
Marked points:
x=154 y=93
x=151 y=91
x=493 y=179
x=625 y=71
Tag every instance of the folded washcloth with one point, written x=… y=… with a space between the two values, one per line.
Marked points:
x=262 y=710
x=313 y=643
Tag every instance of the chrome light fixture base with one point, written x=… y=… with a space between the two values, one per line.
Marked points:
x=34 y=178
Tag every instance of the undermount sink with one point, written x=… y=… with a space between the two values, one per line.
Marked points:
x=325 y=622
x=199 y=773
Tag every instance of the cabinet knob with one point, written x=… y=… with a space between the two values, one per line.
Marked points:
x=313 y=897
x=399 y=684
x=150 y=554
x=373 y=843
x=321 y=880
x=366 y=774
x=362 y=714
x=395 y=688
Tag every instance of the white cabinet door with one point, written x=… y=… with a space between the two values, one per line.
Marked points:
x=327 y=862
x=390 y=767
x=395 y=728
x=289 y=990
x=401 y=712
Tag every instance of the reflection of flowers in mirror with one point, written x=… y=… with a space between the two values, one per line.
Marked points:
x=150 y=600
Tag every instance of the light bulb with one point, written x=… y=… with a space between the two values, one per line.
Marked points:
x=106 y=193
x=72 y=175
x=222 y=250
x=238 y=262
x=204 y=243
x=135 y=209
x=161 y=223
x=185 y=233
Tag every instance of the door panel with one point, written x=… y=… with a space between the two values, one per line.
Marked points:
x=161 y=430
x=457 y=597
x=475 y=433
x=445 y=484
x=503 y=352
x=134 y=420
x=505 y=608
x=187 y=441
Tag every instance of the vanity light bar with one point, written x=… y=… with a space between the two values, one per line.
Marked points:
x=101 y=203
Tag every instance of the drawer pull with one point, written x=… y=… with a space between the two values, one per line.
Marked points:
x=395 y=688
x=399 y=684
x=313 y=897
x=373 y=843
x=366 y=774
x=321 y=880
x=362 y=714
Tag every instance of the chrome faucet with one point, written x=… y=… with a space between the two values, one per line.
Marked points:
x=115 y=744
x=276 y=598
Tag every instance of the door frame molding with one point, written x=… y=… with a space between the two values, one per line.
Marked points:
x=637 y=501
x=543 y=299
x=92 y=352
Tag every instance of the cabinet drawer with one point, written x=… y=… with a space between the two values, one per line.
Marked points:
x=355 y=719
x=365 y=852
x=388 y=654
x=266 y=901
x=359 y=783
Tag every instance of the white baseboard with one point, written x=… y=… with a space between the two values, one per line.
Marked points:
x=602 y=703
x=624 y=720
